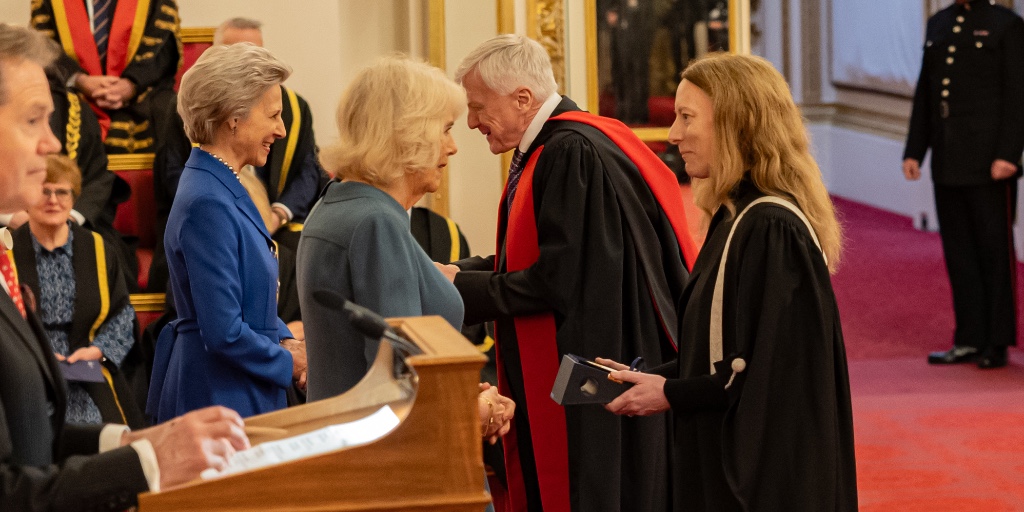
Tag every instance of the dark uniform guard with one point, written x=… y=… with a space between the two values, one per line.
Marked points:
x=969 y=109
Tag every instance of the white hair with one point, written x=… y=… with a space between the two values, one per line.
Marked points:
x=510 y=61
x=238 y=23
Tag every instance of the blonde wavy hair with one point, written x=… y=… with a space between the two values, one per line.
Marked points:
x=760 y=131
x=391 y=119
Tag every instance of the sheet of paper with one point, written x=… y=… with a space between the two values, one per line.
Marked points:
x=334 y=437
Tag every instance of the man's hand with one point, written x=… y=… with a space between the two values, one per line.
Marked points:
x=297 y=329
x=1002 y=169
x=298 y=351
x=92 y=85
x=449 y=271
x=911 y=169
x=115 y=95
x=189 y=444
x=279 y=218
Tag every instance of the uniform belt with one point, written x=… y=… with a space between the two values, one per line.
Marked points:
x=944 y=109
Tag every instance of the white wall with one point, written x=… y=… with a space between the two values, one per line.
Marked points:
x=770 y=44
x=868 y=168
x=14 y=12
x=325 y=41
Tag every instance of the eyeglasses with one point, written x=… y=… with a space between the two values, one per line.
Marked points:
x=62 y=194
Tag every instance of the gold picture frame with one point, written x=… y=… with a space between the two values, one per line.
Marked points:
x=737 y=13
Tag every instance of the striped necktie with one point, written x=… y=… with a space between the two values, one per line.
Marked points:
x=103 y=11
x=515 y=171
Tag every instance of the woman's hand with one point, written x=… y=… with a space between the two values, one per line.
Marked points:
x=298 y=351
x=496 y=412
x=646 y=397
x=85 y=354
x=615 y=365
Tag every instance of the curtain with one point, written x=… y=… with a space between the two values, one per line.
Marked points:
x=878 y=45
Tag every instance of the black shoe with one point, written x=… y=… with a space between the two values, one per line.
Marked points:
x=955 y=355
x=992 y=357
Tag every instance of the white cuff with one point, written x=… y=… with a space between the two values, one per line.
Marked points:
x=5 y=218
x=110 y=437
x=150 y=468
x=79 y=218
x=287 y=210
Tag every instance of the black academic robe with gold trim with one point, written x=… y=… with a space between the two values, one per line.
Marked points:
x=442 y=240
x=115 y=400
x=438 y=235
x=75 y=126
x=144 y=47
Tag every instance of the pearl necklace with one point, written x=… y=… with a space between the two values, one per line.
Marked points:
x=221 y=160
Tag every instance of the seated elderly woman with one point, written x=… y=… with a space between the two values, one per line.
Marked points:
x=228 y=347
x=394 y=124
x=760 y=393
x=82 y=297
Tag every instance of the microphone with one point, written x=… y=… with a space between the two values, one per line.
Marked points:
x=365 y=321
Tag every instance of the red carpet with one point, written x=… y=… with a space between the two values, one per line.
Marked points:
x=938 y=439
x=928 y=438
x=892 y=287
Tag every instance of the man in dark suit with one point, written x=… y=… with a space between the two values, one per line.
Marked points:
x=46 y=464
x=969 y=109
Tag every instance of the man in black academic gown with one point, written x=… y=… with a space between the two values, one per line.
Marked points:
x=590 y=260
x=969 y=110
x=47 y=464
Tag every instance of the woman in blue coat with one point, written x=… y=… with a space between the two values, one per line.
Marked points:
x=228 y=347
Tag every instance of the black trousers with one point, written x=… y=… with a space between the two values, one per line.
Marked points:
x=976 y=227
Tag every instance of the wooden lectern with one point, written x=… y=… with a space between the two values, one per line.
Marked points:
x=431 y=461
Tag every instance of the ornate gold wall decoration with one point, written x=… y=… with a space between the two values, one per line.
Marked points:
x=436 y=50
x=546 y=24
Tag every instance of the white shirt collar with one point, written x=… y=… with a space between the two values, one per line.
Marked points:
x=542 y=116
